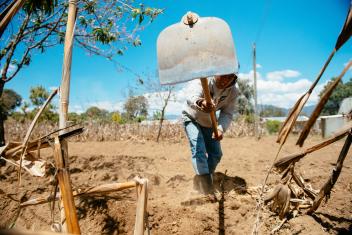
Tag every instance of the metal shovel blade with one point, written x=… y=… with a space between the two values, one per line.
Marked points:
x=203 y=49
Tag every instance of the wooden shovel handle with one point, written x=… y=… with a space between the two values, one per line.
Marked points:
x=207 y=97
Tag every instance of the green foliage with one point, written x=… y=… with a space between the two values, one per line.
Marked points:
x=103 y=28
x=157 y=115
x=136 y=108
x=40 y=6
x=38 y=95
x=272 y=126
x=249 y=118
x=117 y=117
x=342 y=90
x=244 y=104
x=74 y=117
x=8 y=102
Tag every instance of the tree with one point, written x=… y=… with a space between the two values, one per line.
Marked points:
x=96 y=114
x=38 y=95
x=136 y=108
x=161 y=95
x=8 y=102
x=342 y=90
x=244 y=103
x=103 y=28
x=117 y=117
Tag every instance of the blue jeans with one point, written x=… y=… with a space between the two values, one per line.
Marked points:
x=206 y=151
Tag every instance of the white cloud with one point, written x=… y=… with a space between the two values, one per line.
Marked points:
x=276 y=92
x=249 y=76
x=280 y=92
x=280 y=75
x=259 y=66
x=107 y=105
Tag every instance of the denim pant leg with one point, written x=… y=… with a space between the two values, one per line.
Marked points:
x=213 y=149
x=196 y=141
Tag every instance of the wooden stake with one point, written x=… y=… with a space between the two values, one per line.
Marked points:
x=66 y=190
x=141 y=210
x=101 y=189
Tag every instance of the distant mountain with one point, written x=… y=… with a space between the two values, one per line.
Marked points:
x=307 y=110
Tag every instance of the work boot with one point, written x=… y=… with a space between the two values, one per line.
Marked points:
x=207 y=187
x=196 y=183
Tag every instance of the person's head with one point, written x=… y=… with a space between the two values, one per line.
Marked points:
x=223 y=81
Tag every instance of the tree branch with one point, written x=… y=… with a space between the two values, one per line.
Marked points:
x=20 y=65
x=14 y=45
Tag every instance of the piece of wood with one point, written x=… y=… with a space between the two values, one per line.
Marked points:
x=66 y=190
x=30 y=129
x=208 y=99
x=101 y=189
x=286 y=161
x=141 y=210
x=9 y=13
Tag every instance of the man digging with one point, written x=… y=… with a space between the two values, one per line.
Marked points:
x=205 y=146
x=202 y=48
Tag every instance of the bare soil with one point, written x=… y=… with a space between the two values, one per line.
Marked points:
x=171 y=208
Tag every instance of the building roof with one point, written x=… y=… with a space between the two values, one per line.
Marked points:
x=301 y=118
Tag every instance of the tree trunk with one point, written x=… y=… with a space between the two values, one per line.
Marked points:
x=2 y=118
x=2 y=130
x=166 y=101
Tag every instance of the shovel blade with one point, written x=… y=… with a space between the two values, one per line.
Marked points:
x=202 y=50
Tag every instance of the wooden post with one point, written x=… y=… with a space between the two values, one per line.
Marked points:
x=65 y=82
x=256 y=119
x=141 y=210
x=66 y=190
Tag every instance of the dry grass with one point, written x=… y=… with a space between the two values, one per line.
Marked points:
x=174 y=132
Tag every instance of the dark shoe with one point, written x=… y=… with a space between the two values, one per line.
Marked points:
x=196 y=183
x=206 y=184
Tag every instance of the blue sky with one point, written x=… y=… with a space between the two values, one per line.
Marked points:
x=293 y=39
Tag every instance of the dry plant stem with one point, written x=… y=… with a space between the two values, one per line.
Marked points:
x=326 y=189
x=286 y=161
x=66 y=190
x=101 y=189
x=299 y=182
x=320 y=106
x=142 y=198
x=291 y=119
x=30 y=129
x=44 y=143
x=279 y=226
x=255 y=230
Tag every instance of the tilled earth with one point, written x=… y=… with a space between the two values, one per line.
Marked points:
x=173 y=206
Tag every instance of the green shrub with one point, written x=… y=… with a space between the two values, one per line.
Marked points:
x=272 y=126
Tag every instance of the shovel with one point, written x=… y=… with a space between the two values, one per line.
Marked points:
x=196 y=48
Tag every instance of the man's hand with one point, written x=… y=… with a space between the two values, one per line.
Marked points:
x=205 y=106
x=220 y=135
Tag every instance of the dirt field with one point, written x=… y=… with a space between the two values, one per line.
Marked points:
x=170 y=174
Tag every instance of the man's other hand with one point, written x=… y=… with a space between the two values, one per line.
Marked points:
x=207 y=107
x=220 y=135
